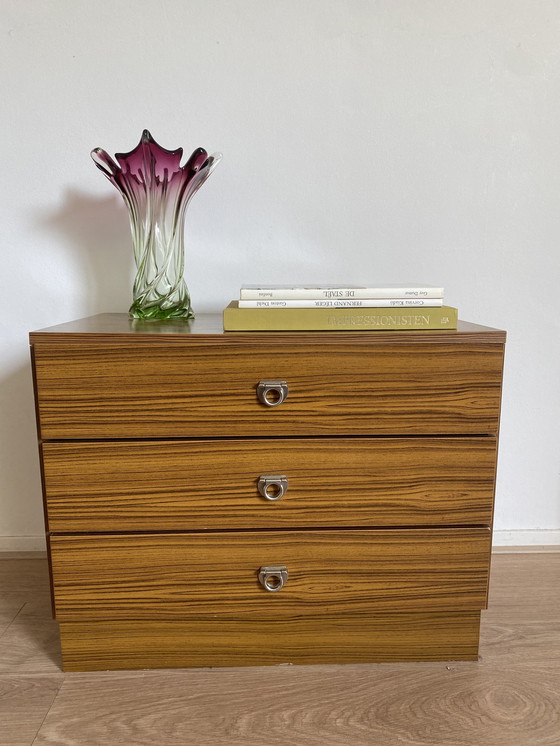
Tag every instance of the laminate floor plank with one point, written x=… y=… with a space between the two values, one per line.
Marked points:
x=29 y=640
x=6 y=618
x=525 y=584
x=30 y=645
x=522 y=622
x=10 y=605
x=385 y=704
x=24 y=703
x=536 y=643
x=23 y=575
x=26 y=603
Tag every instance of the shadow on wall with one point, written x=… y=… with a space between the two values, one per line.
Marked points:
x=95 y=232
x=21 y=511
x=94 y=267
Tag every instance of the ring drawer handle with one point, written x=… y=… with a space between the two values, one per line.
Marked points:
x=273 y=486
x=273 y=578
x=272 y=393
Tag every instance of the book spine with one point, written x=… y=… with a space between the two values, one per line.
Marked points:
x=337 y=319
x=340 y=293
x=355 y=303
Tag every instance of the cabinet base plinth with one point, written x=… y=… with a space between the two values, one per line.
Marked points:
x=387 y=637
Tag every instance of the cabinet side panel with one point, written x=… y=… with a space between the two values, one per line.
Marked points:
x=42 y=471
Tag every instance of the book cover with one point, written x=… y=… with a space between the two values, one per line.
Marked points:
x=344 y=303
x=328 y=292
x=337 y=319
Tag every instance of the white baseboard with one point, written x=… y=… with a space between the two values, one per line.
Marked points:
x=23 y=544
x=536 y=538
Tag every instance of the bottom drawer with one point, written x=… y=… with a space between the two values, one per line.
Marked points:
x=122 y=644
x=201 y=575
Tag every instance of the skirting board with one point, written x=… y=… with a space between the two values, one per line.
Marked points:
x=524 y=540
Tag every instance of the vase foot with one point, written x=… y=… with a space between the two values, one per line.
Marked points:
x=155 y=312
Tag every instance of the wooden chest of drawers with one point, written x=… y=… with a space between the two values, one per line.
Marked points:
x=194 y=518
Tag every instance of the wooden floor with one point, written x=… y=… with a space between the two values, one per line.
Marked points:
x=510 y=697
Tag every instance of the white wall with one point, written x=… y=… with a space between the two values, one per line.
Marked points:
x=363 y=140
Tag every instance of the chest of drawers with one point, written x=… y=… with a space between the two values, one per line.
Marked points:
x=222 y=499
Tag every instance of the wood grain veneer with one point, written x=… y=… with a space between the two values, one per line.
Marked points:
x=152 y=441
x=122 y=644
x=120 y=391
x=176 y=576
x=107 y=327
x=199 y=484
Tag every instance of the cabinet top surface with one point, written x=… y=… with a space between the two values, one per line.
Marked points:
x=207 y=327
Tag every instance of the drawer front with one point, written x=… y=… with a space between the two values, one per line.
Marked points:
x=180 y=576
x=190 y=390
x=187 y=485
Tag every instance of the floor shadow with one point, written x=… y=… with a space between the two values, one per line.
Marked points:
x=30 y=643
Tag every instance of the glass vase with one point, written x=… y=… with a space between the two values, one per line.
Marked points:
x=157 y=191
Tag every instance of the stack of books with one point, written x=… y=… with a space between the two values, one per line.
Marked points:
x=337 y=307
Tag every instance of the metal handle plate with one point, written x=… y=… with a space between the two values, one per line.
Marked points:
x=273 y=577
x=273 y=486
x=272 y=393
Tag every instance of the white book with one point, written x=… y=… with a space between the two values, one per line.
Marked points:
x=338 y=292
x=344 y=303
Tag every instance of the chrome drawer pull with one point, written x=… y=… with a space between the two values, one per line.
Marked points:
x=272 y=393
x=273 y=486
x=273 y=578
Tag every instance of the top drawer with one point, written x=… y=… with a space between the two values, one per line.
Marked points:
x=123 y=390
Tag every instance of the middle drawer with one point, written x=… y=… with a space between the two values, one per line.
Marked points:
x=199 y=484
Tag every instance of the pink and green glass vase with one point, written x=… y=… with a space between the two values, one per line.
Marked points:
x=157 y=191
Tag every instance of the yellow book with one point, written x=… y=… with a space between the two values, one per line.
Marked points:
x=337 y=319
